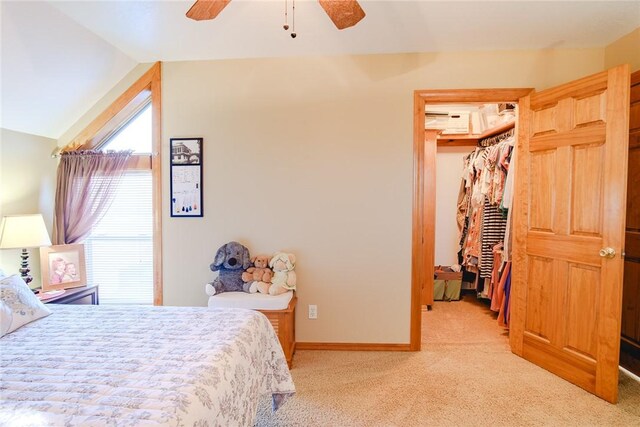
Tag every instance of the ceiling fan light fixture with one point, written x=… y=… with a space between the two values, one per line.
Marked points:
x=343 y=13
x=203 y=10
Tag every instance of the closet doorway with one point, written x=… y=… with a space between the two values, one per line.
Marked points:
x=424 y=218
x=569 y=223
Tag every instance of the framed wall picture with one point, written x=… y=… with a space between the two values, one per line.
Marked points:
x=186 y=177
x=62 y=267
x=186 y=151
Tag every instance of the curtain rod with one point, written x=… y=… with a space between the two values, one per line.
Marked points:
x=57 y=153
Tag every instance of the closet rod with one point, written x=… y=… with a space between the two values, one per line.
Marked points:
x=487 y=142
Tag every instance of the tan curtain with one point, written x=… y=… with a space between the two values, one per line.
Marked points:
x=86 y=184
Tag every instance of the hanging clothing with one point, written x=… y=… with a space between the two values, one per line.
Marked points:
x=495 y=277
x=483 y=217
x=507 y=205
x=494 y=225
x=504 y=315
x=499 y=179
x=507 y=194
x=499 y=295
x=462 y=207
x=474 y=235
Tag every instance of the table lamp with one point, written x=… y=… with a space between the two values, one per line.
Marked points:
x=23 y=232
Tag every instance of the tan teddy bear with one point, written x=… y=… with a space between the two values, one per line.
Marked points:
x=284 y=278
x=260 y=272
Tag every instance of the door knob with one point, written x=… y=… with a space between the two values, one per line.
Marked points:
x=607 y=253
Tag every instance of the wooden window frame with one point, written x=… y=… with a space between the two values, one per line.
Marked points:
x=110 y=120
x=424 y=188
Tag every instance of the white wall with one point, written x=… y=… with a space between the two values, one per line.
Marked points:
x=314 y=155
x=625 y=50
x=52 y=68
x=27 y=185
x=102 y=104
x=449 y=162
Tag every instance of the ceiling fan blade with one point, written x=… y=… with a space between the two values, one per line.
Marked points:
x=206 y=9
x=343 y=13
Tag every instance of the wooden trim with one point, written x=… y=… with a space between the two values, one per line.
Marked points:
x=423 y=254
x=587 y=86
x=148 y=85
x=139 y=162
x=417 y=227
x=631 y=346
x=445 y=96
x=615 y=202
x=340 y=346
x=429 y=215
x=110 y=128
x=83 y=139
x=463 y=142
x=156 y=172
x=520 y=223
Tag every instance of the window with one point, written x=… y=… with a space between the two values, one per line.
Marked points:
x=124 y=250
x=119 y=251
x=135 y=135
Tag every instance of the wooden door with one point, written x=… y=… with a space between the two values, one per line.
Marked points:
x=631 y=290
x=569 y=229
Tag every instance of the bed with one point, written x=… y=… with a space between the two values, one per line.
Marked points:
x=279 y=309
x=124 y=366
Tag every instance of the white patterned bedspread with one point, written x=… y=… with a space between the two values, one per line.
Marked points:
x=126 y=366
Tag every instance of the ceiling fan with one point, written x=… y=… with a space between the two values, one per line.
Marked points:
x=343 y=13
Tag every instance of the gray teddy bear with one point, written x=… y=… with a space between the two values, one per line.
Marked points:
x=231 y=260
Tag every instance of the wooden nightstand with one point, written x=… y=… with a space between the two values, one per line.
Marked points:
x=87 y=295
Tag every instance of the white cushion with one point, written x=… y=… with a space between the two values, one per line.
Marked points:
x=18 y=305
x=255 y=301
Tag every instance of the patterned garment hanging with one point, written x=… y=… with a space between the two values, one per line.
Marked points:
x=494 y=225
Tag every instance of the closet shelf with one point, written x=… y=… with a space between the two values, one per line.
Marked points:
x=471 y=140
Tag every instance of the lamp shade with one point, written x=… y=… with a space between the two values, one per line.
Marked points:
x=23 y=231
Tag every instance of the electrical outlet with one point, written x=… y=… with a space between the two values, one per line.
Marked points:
x=313 y=311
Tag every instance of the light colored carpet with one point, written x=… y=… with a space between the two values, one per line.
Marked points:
x=465 y=375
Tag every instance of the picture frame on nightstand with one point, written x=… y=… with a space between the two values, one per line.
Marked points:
x=62 y=267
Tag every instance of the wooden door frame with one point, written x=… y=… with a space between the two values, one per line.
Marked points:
x=424 y=187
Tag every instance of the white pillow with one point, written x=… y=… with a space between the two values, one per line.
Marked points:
x=18 y=305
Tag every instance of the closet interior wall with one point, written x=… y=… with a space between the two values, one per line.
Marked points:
x=449 y=162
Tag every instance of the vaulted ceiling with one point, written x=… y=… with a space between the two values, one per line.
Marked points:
x=59 y=57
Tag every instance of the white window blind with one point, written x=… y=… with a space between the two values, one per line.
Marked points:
x=119 y=251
